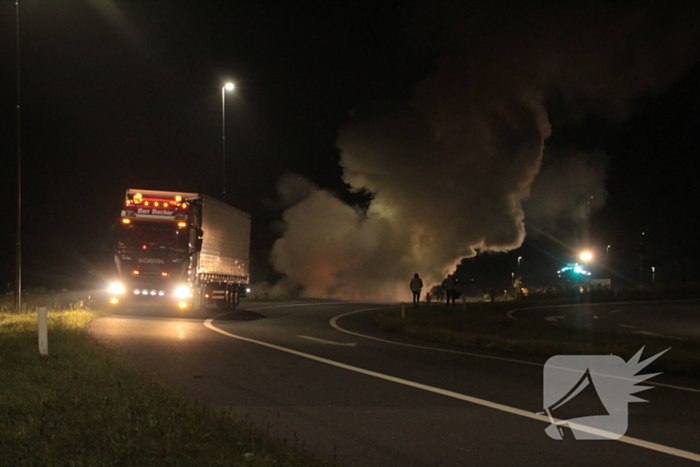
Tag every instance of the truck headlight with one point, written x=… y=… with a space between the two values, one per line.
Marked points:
x=116 y=288
x=183 y=291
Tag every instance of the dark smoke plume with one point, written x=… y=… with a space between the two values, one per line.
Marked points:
x=449 y=170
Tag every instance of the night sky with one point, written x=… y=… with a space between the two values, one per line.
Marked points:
x=121 y=94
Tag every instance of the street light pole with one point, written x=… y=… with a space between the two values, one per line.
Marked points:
x=519 y=258
x=19 y=173
x=226 y=87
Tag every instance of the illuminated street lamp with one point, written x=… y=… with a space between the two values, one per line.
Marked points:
x=226 y=87
x=586 y=256
x=519 y=259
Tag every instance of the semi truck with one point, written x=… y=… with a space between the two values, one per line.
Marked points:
x=180 y=249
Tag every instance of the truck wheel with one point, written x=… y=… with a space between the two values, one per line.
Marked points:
x=229 y=300
x=231 y=297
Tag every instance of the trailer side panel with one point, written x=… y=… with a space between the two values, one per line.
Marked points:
x=226 y=240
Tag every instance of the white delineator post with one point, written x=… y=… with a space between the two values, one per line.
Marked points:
x=43 y=332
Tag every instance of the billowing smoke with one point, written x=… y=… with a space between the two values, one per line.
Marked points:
x=449 y=170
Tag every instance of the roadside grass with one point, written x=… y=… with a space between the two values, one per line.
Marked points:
x=485 y=326
x=82 y=405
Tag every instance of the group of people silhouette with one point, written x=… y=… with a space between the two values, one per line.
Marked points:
x=449 y=285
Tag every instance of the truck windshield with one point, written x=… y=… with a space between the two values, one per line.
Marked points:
x=151 y=235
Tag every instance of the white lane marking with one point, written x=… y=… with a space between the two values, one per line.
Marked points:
x=474 y=400
x=324 y=341
x=656 y=334
x=553 y=318
x=628 y=326
x=334 y=324
x=615 y=311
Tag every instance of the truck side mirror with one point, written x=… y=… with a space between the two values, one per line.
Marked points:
x=198 y=244
x=112 y=237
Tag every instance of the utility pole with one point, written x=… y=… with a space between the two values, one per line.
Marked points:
x=18 y=258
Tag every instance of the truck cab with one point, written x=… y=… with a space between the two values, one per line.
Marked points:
x=183 y=249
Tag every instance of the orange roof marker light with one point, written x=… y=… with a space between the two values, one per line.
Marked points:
x=126 y=221
x=182 y=225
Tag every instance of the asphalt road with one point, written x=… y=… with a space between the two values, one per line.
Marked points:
x=675 y=319
x=323 y=376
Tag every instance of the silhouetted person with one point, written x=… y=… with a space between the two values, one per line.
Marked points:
x=416 y=287
x=517 y=288
x=450 y=286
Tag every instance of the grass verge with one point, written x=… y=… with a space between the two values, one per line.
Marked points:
x=81 y=405
x=485 y=326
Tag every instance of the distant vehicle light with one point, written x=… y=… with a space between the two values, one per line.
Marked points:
x=116 y=288
x=182 y=225
x=183 y=291
x=135 y=272
x=126 y=221
x=114 y=301
x=574 y=268
x=164 y=274
x=182 y=304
